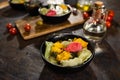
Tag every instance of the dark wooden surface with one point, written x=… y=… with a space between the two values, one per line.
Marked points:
x=21 y=60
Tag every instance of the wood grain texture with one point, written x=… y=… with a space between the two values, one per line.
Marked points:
x=4 y=4
x=45 y=28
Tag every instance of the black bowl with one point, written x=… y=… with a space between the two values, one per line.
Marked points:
x=58 y=68
x=32 y=9
x=17 y=6
x=54 y=19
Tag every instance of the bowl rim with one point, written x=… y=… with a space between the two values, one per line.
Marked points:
x=70 y=11
x=10 y=2
x=63 y=35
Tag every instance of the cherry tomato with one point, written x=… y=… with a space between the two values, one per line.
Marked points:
x=108 y=24
x=9 y=25
x=27 y=27
x=109 y=18
x=85 y=15
x=111 y=13
x=12 y=31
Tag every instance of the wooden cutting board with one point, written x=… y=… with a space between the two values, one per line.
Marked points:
x=45 y=28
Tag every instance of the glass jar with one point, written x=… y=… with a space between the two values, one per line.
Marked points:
x=94 y=28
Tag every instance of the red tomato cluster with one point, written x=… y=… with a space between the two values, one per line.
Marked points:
x=109 y=18
x=12 y=30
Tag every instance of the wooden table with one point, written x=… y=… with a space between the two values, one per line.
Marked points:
x=21 y=59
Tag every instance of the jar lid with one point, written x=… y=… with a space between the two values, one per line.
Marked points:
x=99 y=5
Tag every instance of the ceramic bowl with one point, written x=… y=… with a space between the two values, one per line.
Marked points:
x=54 y=19
x=17 y=6
x=66 y=36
